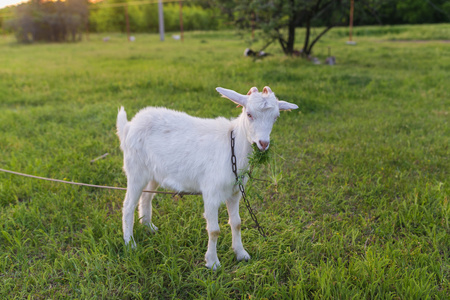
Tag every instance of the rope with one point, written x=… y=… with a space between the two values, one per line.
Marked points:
x=93 y=185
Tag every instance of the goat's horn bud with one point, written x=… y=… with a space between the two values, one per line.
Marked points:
x=267 y=90
x=252 y=90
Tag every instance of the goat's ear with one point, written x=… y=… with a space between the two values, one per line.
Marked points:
x=283 y=105
x=233 y=96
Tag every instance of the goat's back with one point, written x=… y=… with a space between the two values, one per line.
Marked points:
x=179 y=151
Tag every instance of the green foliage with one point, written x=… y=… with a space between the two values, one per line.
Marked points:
x=144 y=18
x=111 y=19
x=49 y=21
x=278 y=19
x=361 y=205
x=415 y=12
x=258 y=157
x=386 y=12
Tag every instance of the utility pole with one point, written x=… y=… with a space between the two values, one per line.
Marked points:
x=161 y=20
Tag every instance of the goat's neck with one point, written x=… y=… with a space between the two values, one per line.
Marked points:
x=242 y=146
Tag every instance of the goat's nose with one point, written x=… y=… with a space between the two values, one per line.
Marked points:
x=264 y=145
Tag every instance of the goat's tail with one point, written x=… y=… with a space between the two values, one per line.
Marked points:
x=121 y=122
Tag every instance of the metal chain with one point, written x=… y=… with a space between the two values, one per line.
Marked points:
x=241 y=188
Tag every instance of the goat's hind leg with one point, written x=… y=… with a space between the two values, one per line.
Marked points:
x=145 y=206
x=135 y=185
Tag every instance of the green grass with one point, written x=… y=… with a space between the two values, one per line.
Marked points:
x=356 y=206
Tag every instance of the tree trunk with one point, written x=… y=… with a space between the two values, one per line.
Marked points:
x=291 y=38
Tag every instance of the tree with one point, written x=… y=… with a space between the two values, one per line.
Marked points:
x=278 y=19
x=50 y=21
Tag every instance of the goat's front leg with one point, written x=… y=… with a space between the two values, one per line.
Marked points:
x=235 y=224
x=212 y=225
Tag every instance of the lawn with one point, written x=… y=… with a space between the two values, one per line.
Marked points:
x=356 y=204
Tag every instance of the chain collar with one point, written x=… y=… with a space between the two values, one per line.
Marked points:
x=239 y=181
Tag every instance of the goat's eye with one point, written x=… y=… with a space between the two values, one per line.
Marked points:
x=250 y=116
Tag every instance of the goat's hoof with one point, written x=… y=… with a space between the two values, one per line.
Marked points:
x=213 y=265
x=243 y=255
x=131 y=243
x=153 y=228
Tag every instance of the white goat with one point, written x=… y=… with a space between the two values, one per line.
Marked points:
x=171 y=149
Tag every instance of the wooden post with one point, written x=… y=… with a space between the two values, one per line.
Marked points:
x=161 y=20
x=253 y=26
x=127 y=22
x=3 y=28
x=352 y=3
x=350 y=42
x=181 y=21
x=87 y=29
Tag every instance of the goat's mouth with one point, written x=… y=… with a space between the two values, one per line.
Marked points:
x=259 y=156
x=261 y=146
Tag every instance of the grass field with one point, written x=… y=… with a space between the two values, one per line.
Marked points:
x=357 y=203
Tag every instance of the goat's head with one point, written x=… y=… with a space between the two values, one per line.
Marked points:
x=260 y=111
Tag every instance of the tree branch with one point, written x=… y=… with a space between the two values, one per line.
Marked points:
x=438 y=8
x=281 y=40
x=267 y=45
x=322 y=9
x=308 y=32
x=318 y=37
x=373 y=12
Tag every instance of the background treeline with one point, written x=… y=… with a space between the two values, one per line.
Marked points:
x=42 y=20
x=105 y=17
x=48 y=21
x=394 y=12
